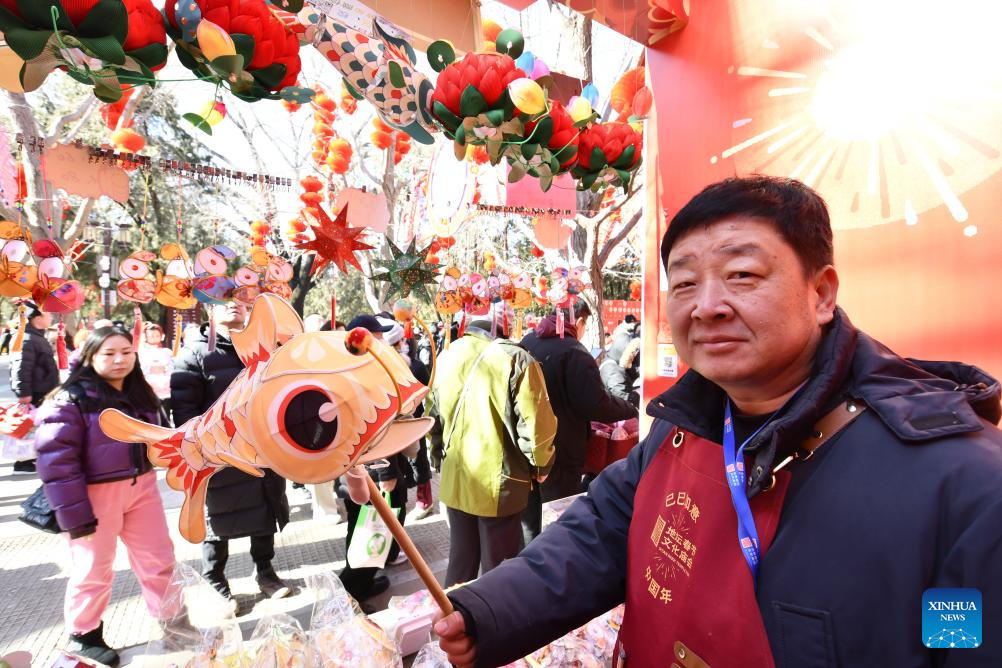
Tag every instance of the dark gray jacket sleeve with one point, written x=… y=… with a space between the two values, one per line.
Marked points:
x=574 y=571
x=594 y=401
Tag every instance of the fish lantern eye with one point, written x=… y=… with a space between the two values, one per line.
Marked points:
x=309 y=419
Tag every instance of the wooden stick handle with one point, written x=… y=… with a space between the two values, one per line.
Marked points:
x=407 y=545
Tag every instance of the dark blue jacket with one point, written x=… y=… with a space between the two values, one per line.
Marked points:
x=908 y=497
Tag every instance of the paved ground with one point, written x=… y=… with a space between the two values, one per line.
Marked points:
x=33 y=570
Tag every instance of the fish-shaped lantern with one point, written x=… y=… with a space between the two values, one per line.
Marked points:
x=174 y=283
x=448 y=299
x=248 y=280
x=137 y=283
x=476 y=294
x=275 y=271
x=521 y=289
x=17 y=276
x=211 y=285
x=52 y=292
x=307 y=406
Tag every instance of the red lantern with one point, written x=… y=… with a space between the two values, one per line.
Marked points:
x=603 y=146
x=537 y=251
x=311 y=198
x=128 y=140
x=311 y=184
x=382 y=140
x=564 y=140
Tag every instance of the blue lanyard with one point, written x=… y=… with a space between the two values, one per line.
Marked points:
x=734 y=471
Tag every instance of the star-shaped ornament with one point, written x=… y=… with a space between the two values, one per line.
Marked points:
x=407 y=269
x=335 y=242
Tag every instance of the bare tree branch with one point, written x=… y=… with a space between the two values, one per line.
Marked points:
x=83 y=212
x=603 y=256
x=79 y=114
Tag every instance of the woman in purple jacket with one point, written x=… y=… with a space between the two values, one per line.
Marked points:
x=102 y=489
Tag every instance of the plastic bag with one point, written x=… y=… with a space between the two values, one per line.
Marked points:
x=418 y=603
x=371 y=540
x=280 y=643
x=431 y=656
x=340 y=635
x=567 y=652
x=199 y=629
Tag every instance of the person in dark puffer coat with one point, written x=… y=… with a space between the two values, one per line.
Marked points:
x=619 y=380
x=237 y=504
x=102 y=489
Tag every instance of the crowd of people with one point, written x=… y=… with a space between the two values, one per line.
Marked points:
x=541 y=394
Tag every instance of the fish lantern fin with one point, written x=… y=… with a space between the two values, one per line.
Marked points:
x=165 y=451
x=272 y=322
x=398 y=435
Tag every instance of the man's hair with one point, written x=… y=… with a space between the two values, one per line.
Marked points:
x=799 y=215
x=581 y=309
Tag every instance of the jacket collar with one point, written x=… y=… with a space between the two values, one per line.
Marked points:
x=918 y=401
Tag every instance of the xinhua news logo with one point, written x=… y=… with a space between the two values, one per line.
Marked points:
x=951 y=618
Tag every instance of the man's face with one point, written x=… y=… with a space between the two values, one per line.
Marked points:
x=742 y=312
x=42 y=322
x=232 y=315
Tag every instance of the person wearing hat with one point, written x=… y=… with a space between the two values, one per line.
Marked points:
x=493 y=439
x=364 y=583
x=33 y=371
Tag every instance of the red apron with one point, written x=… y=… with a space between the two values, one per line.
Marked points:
x=687 y=580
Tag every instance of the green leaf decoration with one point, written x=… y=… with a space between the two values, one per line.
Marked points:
x=448 y=119
x=108 y=18
x=227 y=65
x=297 y=94
x=624 y=177
x=471 y=102
x=396 y=74
x=270 y=76
x=625 y=159
x=106 y=48
x=529 y=150
x=79 y=76
x=494 y=150
x=598 y=159
x=440 y=55
x=8 y=21
x=244 y=45
x=510 y=42
x=545 y=181
x=565 y=154
x=587 y=181
x=37 y=13
x=543 y=131
x=199 y=122
x=459 y=150
x=517 y=172
x=107 y=89
x=553 y=164
x=27 y=44
x=187 y=59
x=150 y=55
x=495 y=116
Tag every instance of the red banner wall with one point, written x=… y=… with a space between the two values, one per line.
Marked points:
x=887 y=115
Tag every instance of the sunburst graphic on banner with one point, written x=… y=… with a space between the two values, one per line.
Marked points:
x=889 y=109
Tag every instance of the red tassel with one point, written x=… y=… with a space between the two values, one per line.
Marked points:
x=333 y=309
x=462 y=325
x=409 y=329
x=62 y=359
x=560 y=322
x=137 y=327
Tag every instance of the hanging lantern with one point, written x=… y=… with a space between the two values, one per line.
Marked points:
x=128 y=140
x=213 y=112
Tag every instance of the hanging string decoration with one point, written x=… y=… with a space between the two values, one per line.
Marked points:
x=100 y=43
x=406 y=270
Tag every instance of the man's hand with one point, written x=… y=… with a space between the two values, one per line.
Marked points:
x=461 y=648
x=24 y=400
x=387 y=485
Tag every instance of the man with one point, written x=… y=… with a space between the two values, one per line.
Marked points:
x=786 y=560
x=364 y=583
x=237 y=504
x=33 y=371
x=577 y=396
x=494 y=437
x=619 y=368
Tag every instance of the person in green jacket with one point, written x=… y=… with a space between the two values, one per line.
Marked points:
x=492 y=440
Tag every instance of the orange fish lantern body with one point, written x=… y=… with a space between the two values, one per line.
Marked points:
x=248 y=286
x=137 y=284
x=448 y=299
x=16 y=279
x=303 y=406
x=522 y=290
x=174 y=283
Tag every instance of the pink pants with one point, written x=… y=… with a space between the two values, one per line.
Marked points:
x=135 y=514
